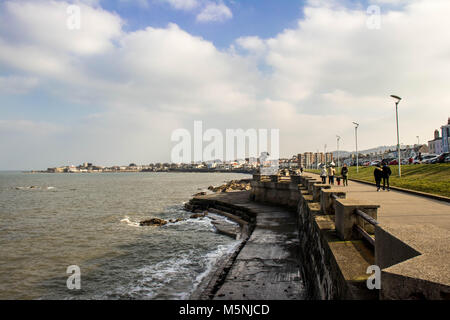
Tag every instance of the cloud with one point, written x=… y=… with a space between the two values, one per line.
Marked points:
x=184 y=4
x=17 y=84
x=252 y=43
x=214 y=12
x=310 y=81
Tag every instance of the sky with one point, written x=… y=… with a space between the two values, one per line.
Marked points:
x=114 y=90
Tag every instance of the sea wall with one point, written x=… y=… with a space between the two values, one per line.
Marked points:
x=322 y=273
x=324 y=277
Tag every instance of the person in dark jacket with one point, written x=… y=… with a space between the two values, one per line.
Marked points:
x=386 y=174
x=344 y=174
x=378 y=174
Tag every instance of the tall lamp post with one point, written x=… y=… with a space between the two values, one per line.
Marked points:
x=397 y=101
x=338 y=138
x=356 y=138
x=418 y=140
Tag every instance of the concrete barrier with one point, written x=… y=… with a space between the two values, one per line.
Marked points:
x=326 y=200
x=310 y=185
x=295 y=180
x=346 y=219
x=316 y=190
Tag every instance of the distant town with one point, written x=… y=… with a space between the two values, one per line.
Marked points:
x=308 y=160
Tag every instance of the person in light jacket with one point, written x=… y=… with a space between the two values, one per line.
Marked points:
x=323 y=175
x=331 y=173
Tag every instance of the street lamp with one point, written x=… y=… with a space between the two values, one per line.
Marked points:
x=418 y=141
x=338 y=138
x=397 y=101
x=356 y=138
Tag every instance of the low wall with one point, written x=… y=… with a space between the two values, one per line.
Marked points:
x=276 y=193
x=324 y=277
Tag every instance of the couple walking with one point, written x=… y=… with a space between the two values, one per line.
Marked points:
x=331 y=172
x=382 y=173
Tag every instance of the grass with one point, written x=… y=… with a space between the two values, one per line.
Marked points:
x=430 y=178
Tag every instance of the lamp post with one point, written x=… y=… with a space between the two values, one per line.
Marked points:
x=356 y=138
x=338 y=138
x=397 y=101
x=418 y=141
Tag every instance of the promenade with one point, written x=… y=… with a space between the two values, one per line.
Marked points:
x=307 y=245
x=421 y=223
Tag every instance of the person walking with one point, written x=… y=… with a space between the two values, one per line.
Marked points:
x=344 y=174
x=331 y=173
x=323 y=175
x=378 y=174
x=386 y=174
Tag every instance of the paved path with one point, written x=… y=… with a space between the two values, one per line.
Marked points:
x=268 y=266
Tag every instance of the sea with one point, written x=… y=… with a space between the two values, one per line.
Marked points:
x=54 y=225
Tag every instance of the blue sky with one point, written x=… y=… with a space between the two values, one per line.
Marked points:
x=113 y=91
x=263 y=18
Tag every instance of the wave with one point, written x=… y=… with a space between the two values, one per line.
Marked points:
x=162 y=274
x=129 y=222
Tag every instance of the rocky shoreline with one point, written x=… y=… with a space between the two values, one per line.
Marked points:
x=230 y=186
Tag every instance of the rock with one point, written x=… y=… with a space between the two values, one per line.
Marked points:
x=153 y=222
x=232 y=185
x=199 y=215
x=200 y=194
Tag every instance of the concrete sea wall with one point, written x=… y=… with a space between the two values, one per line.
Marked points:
x=321 y=271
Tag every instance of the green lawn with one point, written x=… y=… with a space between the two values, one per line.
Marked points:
x=430 y=178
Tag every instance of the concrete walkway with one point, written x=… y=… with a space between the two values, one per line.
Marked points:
x=422 y=223
x=268 y=266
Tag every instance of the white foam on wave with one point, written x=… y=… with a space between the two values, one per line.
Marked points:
x=212 y=258
x=129 y=222
x=161 y=274
x=206 y=222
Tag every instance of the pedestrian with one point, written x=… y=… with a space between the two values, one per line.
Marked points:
x=338 y=180
x=344 y=174
x=331 y=172
x=301 y=170
x=386 y=174
x=323 y=175
x=378 y=174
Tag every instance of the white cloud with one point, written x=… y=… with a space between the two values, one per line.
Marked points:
x=253 y=44
x=183 y=4
x=214 y=12
x=315 y=80
x=17 y=84
x=43 y=24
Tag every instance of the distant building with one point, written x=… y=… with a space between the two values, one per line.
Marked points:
x=446 y=136
x=309 y=159
x=301 y=160
x=435 y=145
x=319 y=158
x=329 y=157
